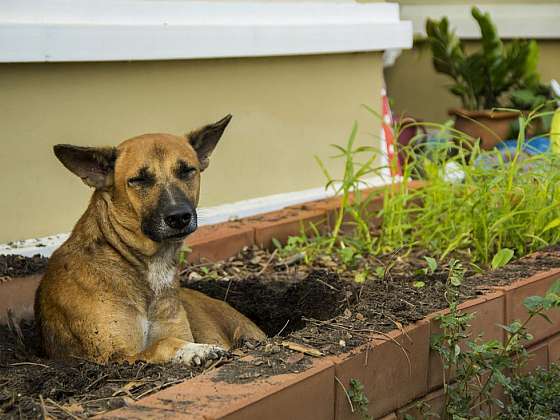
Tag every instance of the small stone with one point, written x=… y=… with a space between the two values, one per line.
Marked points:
x=194 y=276
x=250 y=345
x=294 y=358
x=347 y=313
x=301 y=275
x=271 y=348
x=342 y=343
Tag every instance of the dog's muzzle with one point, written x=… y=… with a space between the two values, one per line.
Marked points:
x=173 y=223
x=182 y=221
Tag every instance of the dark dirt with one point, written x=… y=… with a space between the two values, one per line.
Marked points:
x=319 y=306
x=18 y=265
x=70 y=388
x=546 y=259
x=261 y=360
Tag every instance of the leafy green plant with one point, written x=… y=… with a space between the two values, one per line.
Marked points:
x=503 y=201
x=359 y=399
x=432 y=265
x=481 y=366
x=505 y=205
x=531 y=97
x=535 y=396
x=483 y=77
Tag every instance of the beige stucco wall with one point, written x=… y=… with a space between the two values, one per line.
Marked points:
x=286 y=110
x=418 y=90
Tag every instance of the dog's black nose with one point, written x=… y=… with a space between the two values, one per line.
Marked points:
x=178 y=219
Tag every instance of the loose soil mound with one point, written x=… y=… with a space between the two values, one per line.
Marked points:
x=318 y=306
x=322 y=307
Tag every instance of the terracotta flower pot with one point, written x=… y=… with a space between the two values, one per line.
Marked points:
x=490 y=127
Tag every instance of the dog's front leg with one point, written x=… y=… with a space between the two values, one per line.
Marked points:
x=171 y=349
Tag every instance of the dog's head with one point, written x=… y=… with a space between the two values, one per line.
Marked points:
x=153 y=180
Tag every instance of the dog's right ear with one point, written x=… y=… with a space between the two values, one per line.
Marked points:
x=94 y=165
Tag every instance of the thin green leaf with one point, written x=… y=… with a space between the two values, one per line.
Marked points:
x=502 y=257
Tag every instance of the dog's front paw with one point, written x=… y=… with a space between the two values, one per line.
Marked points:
x=194 y=354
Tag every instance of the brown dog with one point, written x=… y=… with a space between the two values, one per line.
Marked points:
x=110 y=291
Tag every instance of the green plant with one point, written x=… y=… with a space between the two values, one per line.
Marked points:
x=483 y=77
x=432 y=265
x=350 y=183
x=535 y=396
x=183 y=255
x=351 y=238
x=481 y=366
x=502 y=257
x=359 y=398
x=532 y=96
x=504 y=205
x=503 y=201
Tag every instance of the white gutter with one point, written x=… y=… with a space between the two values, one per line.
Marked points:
x=109 y=30
x=207 y=216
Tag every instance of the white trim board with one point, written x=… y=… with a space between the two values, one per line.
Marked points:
x=110 y=30
x=207 y=216
x=534 y=20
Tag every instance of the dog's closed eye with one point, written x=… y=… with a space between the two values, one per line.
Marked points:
x=143 y=179
x=184 y=171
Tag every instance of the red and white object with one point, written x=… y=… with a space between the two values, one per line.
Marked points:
x=387 y=135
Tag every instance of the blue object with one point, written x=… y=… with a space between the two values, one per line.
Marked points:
x=508 y=148
x=534 y=146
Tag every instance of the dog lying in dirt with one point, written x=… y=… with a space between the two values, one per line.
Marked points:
x=110 y=291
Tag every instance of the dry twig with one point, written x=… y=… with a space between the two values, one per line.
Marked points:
x=301 y=348
x=345 y=393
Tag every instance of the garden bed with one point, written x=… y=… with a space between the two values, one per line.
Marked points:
x=377 y=331
x=311 y=305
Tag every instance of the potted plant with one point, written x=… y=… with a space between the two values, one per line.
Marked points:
x=485 y=79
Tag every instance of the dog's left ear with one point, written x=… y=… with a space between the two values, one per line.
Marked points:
x=94 y=165
x=204 y=140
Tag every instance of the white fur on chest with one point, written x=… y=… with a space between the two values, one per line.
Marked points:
x=161 y=272
x=160 y=276
x=145 y=328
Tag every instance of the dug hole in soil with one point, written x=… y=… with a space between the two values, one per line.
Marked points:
x=316 y=305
